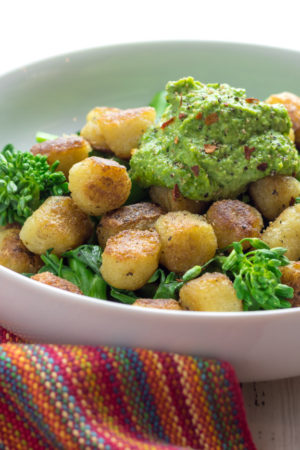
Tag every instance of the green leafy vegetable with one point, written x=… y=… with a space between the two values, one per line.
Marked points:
x=169 y=285
x=26 y=180
x=256 y=275
x=297 y=200
x=81 y=267
x=41 y=136
x=159 y=103
x=123 y=296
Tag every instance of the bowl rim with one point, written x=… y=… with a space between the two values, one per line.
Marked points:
x=147 y=43
x=40 y=287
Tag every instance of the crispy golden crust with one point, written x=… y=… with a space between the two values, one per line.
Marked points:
x=285 y=232
x=132 y=243
x=58 y=224
x=68 y=150
x=170 y=202
x=14 y=255
x=99 y=185
x=292 y=104
x=233 y=220
x=210 y=292
x=130 y=258
x=140 y=216
x=159 y=303
x=272 y=194
x=291 y=277
x=54 y=281
x=117 y=130
x=187 y=240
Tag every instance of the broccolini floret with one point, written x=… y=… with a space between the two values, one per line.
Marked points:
x=26 y=180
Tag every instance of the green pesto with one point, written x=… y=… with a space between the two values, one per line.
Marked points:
x=247 y=140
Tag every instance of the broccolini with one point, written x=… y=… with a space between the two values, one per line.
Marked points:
x=26 y=180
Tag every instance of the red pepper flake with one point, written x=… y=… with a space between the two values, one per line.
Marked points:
x=199 y=116
x=292 y=201
x=182 y=116
x=248 y=151
x=165 y=124
x=176 y=192
x=195 y=170
x=252 y=100
x=208 y=148
x=262 y=166
x=211 y=118
x=176 y=140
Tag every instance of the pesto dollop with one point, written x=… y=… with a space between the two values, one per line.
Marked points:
x=212 y=141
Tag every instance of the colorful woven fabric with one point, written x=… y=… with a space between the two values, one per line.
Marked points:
x=80 y=397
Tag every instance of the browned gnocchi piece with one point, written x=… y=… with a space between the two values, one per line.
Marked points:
x=116 y=129
x=272 y=194
x=14 y=255
x=210 y=292
x=158 y=303
x=68 y=150
x=285 y=232
x=186 y=240
x=292 y=104
x=58 y=224
x=170 y=202
x=291 y=277
x=52 y=280
x=130 y=258
x=233 y=220
x=99 y=185
x=140 y=216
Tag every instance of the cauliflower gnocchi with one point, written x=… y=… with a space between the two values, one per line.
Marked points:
x=68 y=150
x=14 y=255
x=169 y=202
x=130 y=258
x=210 y=292
x=186 y=240
x=285 y=232
x=117 y=130
x=140 y=216
x=99 y=185
x=271 y=195
x=233 y=220
x=57 y=224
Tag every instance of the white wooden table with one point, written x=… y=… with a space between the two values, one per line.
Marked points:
x=273 y=413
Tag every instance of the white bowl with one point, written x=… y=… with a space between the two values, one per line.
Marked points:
x=54 y=96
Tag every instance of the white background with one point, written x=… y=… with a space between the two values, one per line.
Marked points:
x=31 y=30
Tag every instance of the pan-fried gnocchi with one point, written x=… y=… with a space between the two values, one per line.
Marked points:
x=14 y=255
x=130 y=258
x=99 y=185
x=161 y=243
x=186 y=240
x=169 y=202
x=52 y=280
x=140 y=216
x=233 y=220
x=285 y=232
x=271 y=195
x=210 y=292
x=117 y=130
x=57 y=224
x=68 y=150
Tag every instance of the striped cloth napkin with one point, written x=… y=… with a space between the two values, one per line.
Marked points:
x=81 y=397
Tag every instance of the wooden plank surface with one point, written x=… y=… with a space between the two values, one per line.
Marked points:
x=273 y=413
